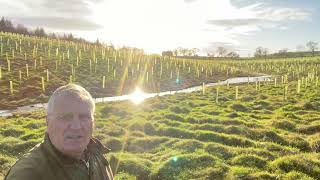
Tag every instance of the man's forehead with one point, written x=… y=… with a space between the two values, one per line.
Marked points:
x=71 y=105
x=58 y=113
x=64 y=114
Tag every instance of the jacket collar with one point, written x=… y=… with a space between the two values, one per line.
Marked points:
x=93 y=147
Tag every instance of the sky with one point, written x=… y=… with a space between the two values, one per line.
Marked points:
x=159 y=25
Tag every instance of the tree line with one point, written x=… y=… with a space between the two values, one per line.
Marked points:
x=261 y=52
x=193 y=52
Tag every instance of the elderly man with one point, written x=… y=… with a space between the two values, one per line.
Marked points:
x=68 y=151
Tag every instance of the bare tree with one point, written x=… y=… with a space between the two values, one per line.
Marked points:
x=167 y=53
x=97 y=42
x=20 y=29
x=184 y=51
x=195 y=51
x=261 y=52
x=221 y=51
x=53 y=35
x=40 y=32
x=258 y=52
x=233 y=55
x=312 y=46
x=175 y=52
x=180 y=51
x=6 y=25
x=189 y=52
x=283 y=52
x=265 y=52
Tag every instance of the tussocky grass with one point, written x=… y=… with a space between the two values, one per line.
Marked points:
x=190 y=136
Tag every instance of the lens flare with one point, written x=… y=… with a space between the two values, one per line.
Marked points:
x=137 y=96
x=175 y=158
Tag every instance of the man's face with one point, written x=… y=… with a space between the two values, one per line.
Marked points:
x=70 y=125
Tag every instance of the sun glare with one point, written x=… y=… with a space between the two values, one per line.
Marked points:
x=137 y=96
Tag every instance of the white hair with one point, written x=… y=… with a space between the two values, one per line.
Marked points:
x=70 y=90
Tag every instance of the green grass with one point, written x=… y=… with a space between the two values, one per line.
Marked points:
x=123 y=69
x=190 y=136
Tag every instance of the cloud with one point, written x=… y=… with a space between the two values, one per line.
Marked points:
x=189 y=1
x=283 y=14
x=244 y=3
x=235 y=22
x=263 y=17
x=69 y=8
x=57 y=14
x=247 y=17
x=80 y=24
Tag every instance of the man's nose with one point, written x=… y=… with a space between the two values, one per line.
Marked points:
x=75 y=123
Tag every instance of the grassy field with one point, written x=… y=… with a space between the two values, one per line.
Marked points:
x=32 y=68
x=37 y=66
x=267 y=133
x=261 y=130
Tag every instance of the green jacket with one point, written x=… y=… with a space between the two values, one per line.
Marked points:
x=45 y=162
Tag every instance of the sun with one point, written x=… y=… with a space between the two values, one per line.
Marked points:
x=137 y=96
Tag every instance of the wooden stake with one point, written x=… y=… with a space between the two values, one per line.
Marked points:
x=40 y=61
x=9 y=65
x=42 y=82
x=285 y=92
x=203 y=88
x=237 y=92
x=217 y=95
x=11 y=88
x=27 y=69
x=47 y=75
x=20 y=76
x=147 y=76
x=1 y=49
x=103 y=81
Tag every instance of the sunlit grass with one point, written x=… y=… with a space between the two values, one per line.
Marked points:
x=191 y=136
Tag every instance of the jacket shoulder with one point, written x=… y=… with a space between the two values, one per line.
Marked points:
x=28 y=167
x=98 y=146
